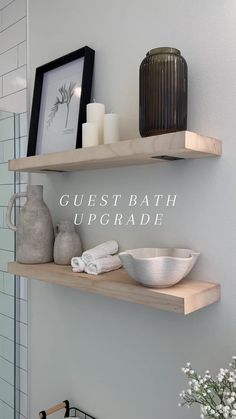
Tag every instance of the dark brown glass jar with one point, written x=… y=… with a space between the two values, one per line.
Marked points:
x=163 y=92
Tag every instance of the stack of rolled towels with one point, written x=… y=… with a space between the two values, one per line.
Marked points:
x=100 y=259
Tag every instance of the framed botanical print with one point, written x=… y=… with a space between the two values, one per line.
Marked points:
x=62 y=90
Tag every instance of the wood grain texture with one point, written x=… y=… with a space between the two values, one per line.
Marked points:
x=182 y=144
x=184 y=298
x=53 y=409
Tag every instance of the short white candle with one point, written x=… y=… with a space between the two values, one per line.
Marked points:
x=95 y=114
x=89 y=134
x=111 y=128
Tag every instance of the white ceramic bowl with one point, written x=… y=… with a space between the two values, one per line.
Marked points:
x=158 y=267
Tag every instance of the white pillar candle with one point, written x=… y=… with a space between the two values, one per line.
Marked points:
x=89 y=134
x=95 y=114
x=111 y=128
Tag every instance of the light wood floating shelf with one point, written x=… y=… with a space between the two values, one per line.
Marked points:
x=184 y=298
x=149 y=150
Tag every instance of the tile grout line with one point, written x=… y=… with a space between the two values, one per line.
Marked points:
x=10 y=295
x=11 y=340
x=21 y=414
x=12 y=385
x=12 y=363
x=12 y=24
x=13 y=93
x=12 y=318
x=12 y=71
x=15 y=46
x=4 y=7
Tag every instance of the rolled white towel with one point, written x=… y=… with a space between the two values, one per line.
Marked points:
x=108 y=248
x=106 y=264
x=77 y=264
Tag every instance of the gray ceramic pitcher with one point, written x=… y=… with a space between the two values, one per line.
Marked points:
x=34 y=232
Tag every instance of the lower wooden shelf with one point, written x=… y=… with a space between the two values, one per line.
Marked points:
x=184 y=298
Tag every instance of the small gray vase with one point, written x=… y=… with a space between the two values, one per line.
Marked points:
x=34 y=232
x=67 y=244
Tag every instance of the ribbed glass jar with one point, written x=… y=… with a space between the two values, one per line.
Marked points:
x=163 y=92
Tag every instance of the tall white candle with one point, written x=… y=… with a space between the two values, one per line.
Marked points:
x=89 y=134
x=111 y=128
x=95 y=114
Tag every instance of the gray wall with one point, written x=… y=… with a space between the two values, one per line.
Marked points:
x=115 y=358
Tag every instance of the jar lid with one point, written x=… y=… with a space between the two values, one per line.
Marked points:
x=164 y=50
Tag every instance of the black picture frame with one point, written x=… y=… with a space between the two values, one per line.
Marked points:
x=88 y=54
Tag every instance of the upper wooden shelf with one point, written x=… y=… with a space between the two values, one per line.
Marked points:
x=184 y=298
x=177 y=145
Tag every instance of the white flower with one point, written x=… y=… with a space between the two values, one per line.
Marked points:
x=201 y=387
x=229 y=400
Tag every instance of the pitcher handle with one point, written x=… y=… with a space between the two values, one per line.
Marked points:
x=10 y=207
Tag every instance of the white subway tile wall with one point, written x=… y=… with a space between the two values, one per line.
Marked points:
x=13 y=13
x=15 y=101
x=13 y=81
x=8 y=61
x=13 y=59
x=13 y=36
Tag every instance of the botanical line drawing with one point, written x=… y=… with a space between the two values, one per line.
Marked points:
x=66 y=96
